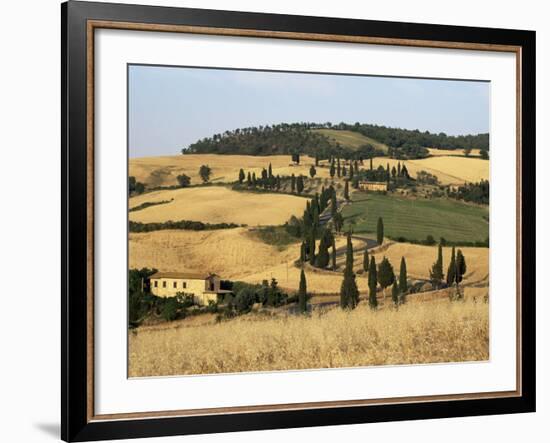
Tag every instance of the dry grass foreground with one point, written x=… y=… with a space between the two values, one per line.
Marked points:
x=416 y=333
x=222 y=252
x=218 y=204
x=162 y=171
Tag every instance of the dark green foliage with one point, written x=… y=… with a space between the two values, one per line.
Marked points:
x=169 y=311
x=395 y=293
x=380 y=231
x=204 y=172
x=293 y=183
x=302 y=293
x=484 y=154
x=322 y=259
x=311 y=249
x=312 y=171
x=436 y=273
x=451 y=270
x=333 y=253
x=241 y=175
x=280 y=236
x=248 y=179
x=182 y=224
x=403 y=286
x=472 y=192
x=386 y=276
x=135 y=187
x=430 y=240
x=300 y=184
x=145 y=205
x=303 y=250
x=269 y=171
x=284 y=138
x=373 y=282
x=332 y=168
x=346 y=190
x=460 y=266
x=366 y=260
x=338 y=168
x=426 y=178
x=185 y=180
x=338 y=221
x=245 y=299
x=349 y=294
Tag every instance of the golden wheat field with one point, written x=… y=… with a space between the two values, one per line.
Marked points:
x=217 y=204
x=457 y=152
x=163 y=170
x=417 y=333
x=448 y=169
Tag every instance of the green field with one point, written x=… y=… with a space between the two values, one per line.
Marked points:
x=416 y=219
x=351 y=139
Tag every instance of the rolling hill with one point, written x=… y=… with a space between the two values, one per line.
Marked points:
x=351 y=139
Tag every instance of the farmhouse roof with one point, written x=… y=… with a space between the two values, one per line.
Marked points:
x=186 y=275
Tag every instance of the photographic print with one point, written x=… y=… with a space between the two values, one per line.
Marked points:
x=291 y=221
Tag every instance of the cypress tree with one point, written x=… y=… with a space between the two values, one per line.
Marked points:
x=349 y=294
x=399 y=169
x=323 y=258
x=380 y=231
x=254 y=181
x=312 y=171
x=451 y=271
x=270 y=171
x=302 y=293
x=370 y=162
x=241 y=175
x=346 y=190
x=436 y=273
x=300 y=184
x=312 y=247
x=316 y=159
x=338 y=170
x=386 y=275
x=350 y=171
x=278 y=182
x=248 y=179
x=373 y=281
x=333 y=253
x=344 y=170
x=460 y=266
x=303 y=248
x=332 y=169
x=293 y=183
x=404 y=171
x=403 y=277
x=366 y=260
x=395 y=293
x=393 y=172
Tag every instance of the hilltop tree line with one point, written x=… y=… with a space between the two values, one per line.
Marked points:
x=472 y=192
x=292 y=138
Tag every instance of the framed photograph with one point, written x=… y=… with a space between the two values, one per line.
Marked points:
x=277 y=221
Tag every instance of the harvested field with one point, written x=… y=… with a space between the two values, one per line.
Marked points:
x=217 y=204
x=162 y=171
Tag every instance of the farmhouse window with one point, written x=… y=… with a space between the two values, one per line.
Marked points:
x=163 y=284
x=184 y=284
x=156 y=284
x=175 y=284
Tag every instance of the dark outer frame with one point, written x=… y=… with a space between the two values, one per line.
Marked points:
x=78 y=422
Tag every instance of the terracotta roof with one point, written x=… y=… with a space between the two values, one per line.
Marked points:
x=185 y=275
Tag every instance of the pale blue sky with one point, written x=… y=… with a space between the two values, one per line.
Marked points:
x=172 y=107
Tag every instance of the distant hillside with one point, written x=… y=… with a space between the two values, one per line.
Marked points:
x=325 y=140
x=351 y=139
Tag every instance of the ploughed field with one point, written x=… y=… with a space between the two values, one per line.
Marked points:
x=431 y=332
x=415 y=219
x=217 y=204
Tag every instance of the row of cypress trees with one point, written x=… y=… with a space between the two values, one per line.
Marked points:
x=382 y=274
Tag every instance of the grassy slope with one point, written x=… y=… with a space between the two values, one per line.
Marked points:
x=351 y=139
x=415 y=219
